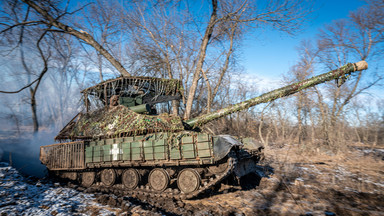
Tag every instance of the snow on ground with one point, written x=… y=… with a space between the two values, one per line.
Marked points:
x=23 y=196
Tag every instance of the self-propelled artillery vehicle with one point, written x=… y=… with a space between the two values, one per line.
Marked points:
x=120 y=142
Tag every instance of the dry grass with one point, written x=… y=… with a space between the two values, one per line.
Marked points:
x=349 y=183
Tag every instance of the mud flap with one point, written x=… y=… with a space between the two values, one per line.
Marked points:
x=223 y=144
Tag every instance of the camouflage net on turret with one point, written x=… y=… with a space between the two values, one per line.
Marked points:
x=150 y=90
x=119 y=121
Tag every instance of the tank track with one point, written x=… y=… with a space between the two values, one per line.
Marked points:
x=168 y=193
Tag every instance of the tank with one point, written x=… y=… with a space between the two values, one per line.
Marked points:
x=120 y=143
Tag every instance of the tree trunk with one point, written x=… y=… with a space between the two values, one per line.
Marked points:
x=199 y=66
x=299 y=118
x=175 y=107
x=209 y=93
x=33 y=109
x=100 y=61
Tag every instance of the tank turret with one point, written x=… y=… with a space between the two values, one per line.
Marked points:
x=120 y=142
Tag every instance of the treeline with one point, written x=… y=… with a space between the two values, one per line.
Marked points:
x=333 y=115
x=52 y=49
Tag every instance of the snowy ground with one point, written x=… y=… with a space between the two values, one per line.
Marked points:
x=27 y=196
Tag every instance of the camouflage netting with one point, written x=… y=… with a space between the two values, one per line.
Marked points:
x=151 y=90
x=119 y=121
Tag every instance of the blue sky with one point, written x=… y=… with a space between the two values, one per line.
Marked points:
x=272 y=53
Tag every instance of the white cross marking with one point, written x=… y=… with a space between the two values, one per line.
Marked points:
x=115 y=151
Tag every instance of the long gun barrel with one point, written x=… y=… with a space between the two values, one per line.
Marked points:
x=279 y=93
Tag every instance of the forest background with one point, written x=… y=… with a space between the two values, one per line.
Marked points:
x=50 y=50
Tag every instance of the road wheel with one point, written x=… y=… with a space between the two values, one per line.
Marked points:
x=130 y=178
x=218 y=169
x=188 y=180
x=73 y=176
x=88 y=178
x=158 y=179
x=108 y=177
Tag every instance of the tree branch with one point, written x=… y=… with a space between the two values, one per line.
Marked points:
x=81 y=35
x=17 y=91
x=27 y=23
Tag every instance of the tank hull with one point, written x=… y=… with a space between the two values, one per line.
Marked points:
x=180 y=165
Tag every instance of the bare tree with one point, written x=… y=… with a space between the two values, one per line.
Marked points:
x=49 y=15
x=160 y=45
x=43 y=53
x=14 y=116
x=283 y=15
x=33 y=40
x=64 y=70
x=338 y=43
x=328 y=108
x=103 y=22
x=32 y=22
x=303 y=70
x=180 y=39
